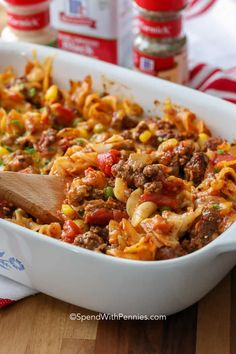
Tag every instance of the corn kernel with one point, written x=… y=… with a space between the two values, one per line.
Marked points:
x=202 y=139
x=51 y=93
x=83 y=133
x=3 y=151
x=224 y=146
x=98 y=128
x=145 y=136
x=67 y=210
x=81 y=224
x=3 y=124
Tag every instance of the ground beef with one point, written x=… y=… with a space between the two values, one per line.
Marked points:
x=205 y=229
x=156 y=174
x=97 y=193
x=8 y=140
x=126 y=134
x=167 y=158
x=129 y=172
x=152 y=187
x=20 y=161
x=141 y=127
x=165 y=131
x=89 y=240
x=78 y=192
x=120 y=121
x=161 y=124
x=213 y=143
x=100 y=212
x=100 y=231
x=47 y=139
x=176 y=168
x=178 y=157
x=138 y=180
x=138 y=174
x=162 y=135
x=169 y=252
x=184 y=152
x=153 y=171
x=196 y=167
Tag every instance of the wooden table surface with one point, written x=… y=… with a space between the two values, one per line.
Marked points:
x=41 y=325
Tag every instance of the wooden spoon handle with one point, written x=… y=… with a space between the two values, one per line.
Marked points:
x=40 y=196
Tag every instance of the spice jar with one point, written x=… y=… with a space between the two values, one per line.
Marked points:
x=29 y=21
x=162 y=5
x=160 y=45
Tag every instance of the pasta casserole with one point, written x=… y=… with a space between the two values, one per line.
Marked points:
x=140 y=186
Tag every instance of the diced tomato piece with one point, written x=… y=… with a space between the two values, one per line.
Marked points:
x=173 y=186
x=70 y=230
x=64 y=115
x=107 y=160
x=15 y=96
x=224 y=157
x=118 y=215
x=162 y=225
x=101 y=216
x=45 y=120
x=160 y=200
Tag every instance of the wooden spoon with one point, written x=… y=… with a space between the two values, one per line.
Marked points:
x=39 y=195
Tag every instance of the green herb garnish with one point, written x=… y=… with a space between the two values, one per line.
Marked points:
x=1 y=163
x=21 y=87
x=216 y=170
x=164 y=208
x=216 y=206
x=46 y=162
x=79 y=141
x=32 y=92
x=76 y=121
x=220 y=152
x=30 y=150
x=81 y=212
x=16 y=122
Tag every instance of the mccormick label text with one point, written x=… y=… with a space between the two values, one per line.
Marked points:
x=28 y=22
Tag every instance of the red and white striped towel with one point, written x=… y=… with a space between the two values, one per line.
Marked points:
x=210 y=25
x=214 y=81
x=11 y=291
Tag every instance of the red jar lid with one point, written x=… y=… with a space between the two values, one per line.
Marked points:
x=162 y=5
x=24 y=2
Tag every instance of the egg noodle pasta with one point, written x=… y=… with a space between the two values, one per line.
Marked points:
x=139 y=187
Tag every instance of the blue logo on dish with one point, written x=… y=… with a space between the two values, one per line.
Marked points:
x=10 y=263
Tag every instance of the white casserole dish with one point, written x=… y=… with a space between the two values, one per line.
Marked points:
x=99 y=282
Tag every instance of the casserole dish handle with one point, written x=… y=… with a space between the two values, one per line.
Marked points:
x=227 y=242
